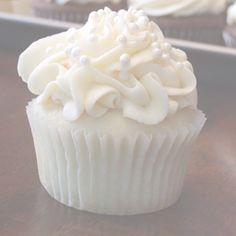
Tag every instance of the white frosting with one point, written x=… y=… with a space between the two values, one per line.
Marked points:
x=179 y=7
x=116 y=61
x=85 y=1
x=231 y=15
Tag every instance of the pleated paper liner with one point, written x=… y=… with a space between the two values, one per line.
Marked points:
x=72 y=12
x=204 y=28
x=106 y=173
x=229 y=36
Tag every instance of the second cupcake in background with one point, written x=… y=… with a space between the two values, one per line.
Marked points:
x=115 y=114
x=229 y=33
x=195 y=20
x=73 y=10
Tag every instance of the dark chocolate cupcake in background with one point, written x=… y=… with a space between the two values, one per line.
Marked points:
x=229 y=33
x=195 y=20
x=73 y=10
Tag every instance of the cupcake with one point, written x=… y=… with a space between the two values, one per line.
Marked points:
x=22 y=7
x=195 y=20
x=73 y=10
x=5 y=6
x=115 y=114
x=229 y=33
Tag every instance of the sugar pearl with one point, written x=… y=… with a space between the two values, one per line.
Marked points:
x=157 y=53
x=76 y=52
x=167 y=46
x=49 y=50
x=143 y=21
x=84 y=60
x=134 y=27
x=122 y=39
x=125 y=60
x=155 y=45
x=68 y=50
x=179 y=65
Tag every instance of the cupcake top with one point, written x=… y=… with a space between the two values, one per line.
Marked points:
x=116 y=61
x=231 y=15
x=179 y=7
x=84 y=1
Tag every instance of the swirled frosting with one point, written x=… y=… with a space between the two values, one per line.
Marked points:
x=231 y=15
x=84 y=1
x=117 y=60
x=179 y=7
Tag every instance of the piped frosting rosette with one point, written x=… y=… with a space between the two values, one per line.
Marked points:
x=116 y=61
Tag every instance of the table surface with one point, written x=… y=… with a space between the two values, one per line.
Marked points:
x=207 y=206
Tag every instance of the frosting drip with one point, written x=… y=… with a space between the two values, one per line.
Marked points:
x=116 y=61
x=231 y=15
x=179 y=7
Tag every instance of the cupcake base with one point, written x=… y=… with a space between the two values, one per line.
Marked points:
x=204 y=28
x=72 y=12
x=119 y=169
x=229 y=36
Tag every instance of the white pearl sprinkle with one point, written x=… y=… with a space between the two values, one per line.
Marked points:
x=68 y=50
x=167 y=46
x=143 y=21
x=157 y=53
x=84 y=60
x=134 y=27
x=155 y=45
x=49 y=50
x=179 y=65
x=76 y=52
x=125 y=60
x=122 y=39
x=154 y=36
x=165 y=56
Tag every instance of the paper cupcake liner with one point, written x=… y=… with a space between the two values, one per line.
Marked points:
x=61 y=16
x=203 y=36
x=77 y=13
x=230 y=41
x=107 y=174
x=205 y=29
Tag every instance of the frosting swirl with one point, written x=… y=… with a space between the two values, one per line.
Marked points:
x=179 y=7
x=231 y=14
x=118 y=60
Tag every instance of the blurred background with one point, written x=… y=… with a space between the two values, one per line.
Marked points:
x=205 y=21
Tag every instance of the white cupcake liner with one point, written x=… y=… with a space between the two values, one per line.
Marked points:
x=210 y=36
x=77 y=17
x=107 y=174
x=77 y=13
x=230 y=41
